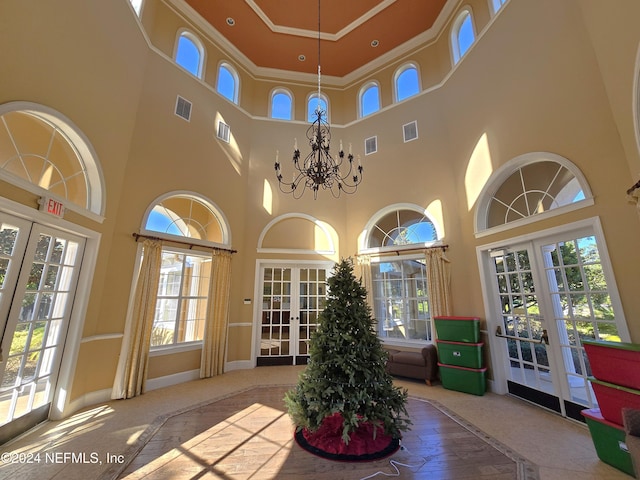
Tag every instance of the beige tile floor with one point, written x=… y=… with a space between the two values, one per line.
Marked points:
x=90 y=443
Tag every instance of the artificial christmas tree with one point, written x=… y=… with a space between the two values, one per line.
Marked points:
x=345 y=402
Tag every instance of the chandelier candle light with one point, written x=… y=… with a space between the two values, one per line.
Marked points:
x=319 y=168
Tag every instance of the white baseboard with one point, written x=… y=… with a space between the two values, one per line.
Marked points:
x=174 y=379
x=91 y=398
x=238 y=365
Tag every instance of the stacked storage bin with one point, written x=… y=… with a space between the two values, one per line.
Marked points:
x=616 y=382
x=460 y=354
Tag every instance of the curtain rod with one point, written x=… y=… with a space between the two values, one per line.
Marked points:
x=138 y=236
x=399 y=251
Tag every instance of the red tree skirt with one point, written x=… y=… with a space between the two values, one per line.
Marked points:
x=326 y=442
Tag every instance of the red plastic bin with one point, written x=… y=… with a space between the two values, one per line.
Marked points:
x=612 y=398
x=614 y=362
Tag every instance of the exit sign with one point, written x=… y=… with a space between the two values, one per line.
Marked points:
x=52 y=207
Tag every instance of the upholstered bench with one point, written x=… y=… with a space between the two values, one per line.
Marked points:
x=422 y=365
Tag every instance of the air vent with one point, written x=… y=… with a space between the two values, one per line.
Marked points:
x=410 y=131
x=370 y=145
x=223 y=131
x=183 y=108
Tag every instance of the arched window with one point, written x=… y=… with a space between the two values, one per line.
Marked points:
x=190 y=53
x=43 y=152
x=183 y=290
x=399 y=279
x=313 y=103
x=407 y=82
x=496 y=5
x=462 y=35
x=369 y=99
x=228 y=82
x=281 y=104
x=531 y=187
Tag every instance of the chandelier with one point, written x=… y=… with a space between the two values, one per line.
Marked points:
x=319 y=169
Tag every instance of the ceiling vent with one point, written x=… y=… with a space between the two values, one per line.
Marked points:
x=410 y=131
x=224 y=131
x=370 y=145
x=183 y=108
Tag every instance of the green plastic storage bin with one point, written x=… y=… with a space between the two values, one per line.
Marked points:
x=458 y=329
x=609 y=441
x=463 y=379
x=460 y=354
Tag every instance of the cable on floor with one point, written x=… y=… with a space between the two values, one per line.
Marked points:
x=394 y=464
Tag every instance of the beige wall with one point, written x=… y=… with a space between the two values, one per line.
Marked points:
x=565 y=88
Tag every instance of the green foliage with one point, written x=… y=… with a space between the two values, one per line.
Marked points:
x=346 y=372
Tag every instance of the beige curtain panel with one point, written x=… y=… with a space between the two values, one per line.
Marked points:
x=135 y=368
x=215 y=330
x=364 y=271
x=438 y=282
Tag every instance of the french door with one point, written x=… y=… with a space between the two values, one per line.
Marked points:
x=291 y=298
x=38 y=275
x=550 y=293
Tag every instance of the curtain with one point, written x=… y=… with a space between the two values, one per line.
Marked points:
x=138 y=335
x=438 y=282
x=364 y=267
x=215 y=330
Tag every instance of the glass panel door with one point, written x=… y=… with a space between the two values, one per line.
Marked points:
x=556 y=289
x=36 y=326
x=522 y=323
x=292 y=298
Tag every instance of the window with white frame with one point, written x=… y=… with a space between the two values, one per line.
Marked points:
x=228 y=84
x=369 y=99
x=190 y=53
x=314 y=103
x=462 y=35
x=406 y=81
x=281 y=104
x=399 y=282
x=183 y=288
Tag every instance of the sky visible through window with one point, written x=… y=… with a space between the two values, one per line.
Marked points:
x=157 y=222
x=407 y=83
x=226 y=83
x=465 y=35
x=281 y=106
x=188 y=55
x=370 y=100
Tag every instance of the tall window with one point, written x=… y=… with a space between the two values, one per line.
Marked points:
x=312 y=106
x=462 y=35
x=228 y=82
x=190 y=54
x=183 y=289
x=181 y=304
x=406 y=82
x=281 y=104
x=369 y=99
x=399 y=282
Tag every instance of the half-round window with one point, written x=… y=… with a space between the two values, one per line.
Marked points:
x=400 y=227
x=187 y=215
x=529 y=186
x=41 y=151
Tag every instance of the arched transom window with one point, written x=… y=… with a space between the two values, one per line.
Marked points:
x=402 y=227
x=529 y=186
x=41 y=151
x=187 y=215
